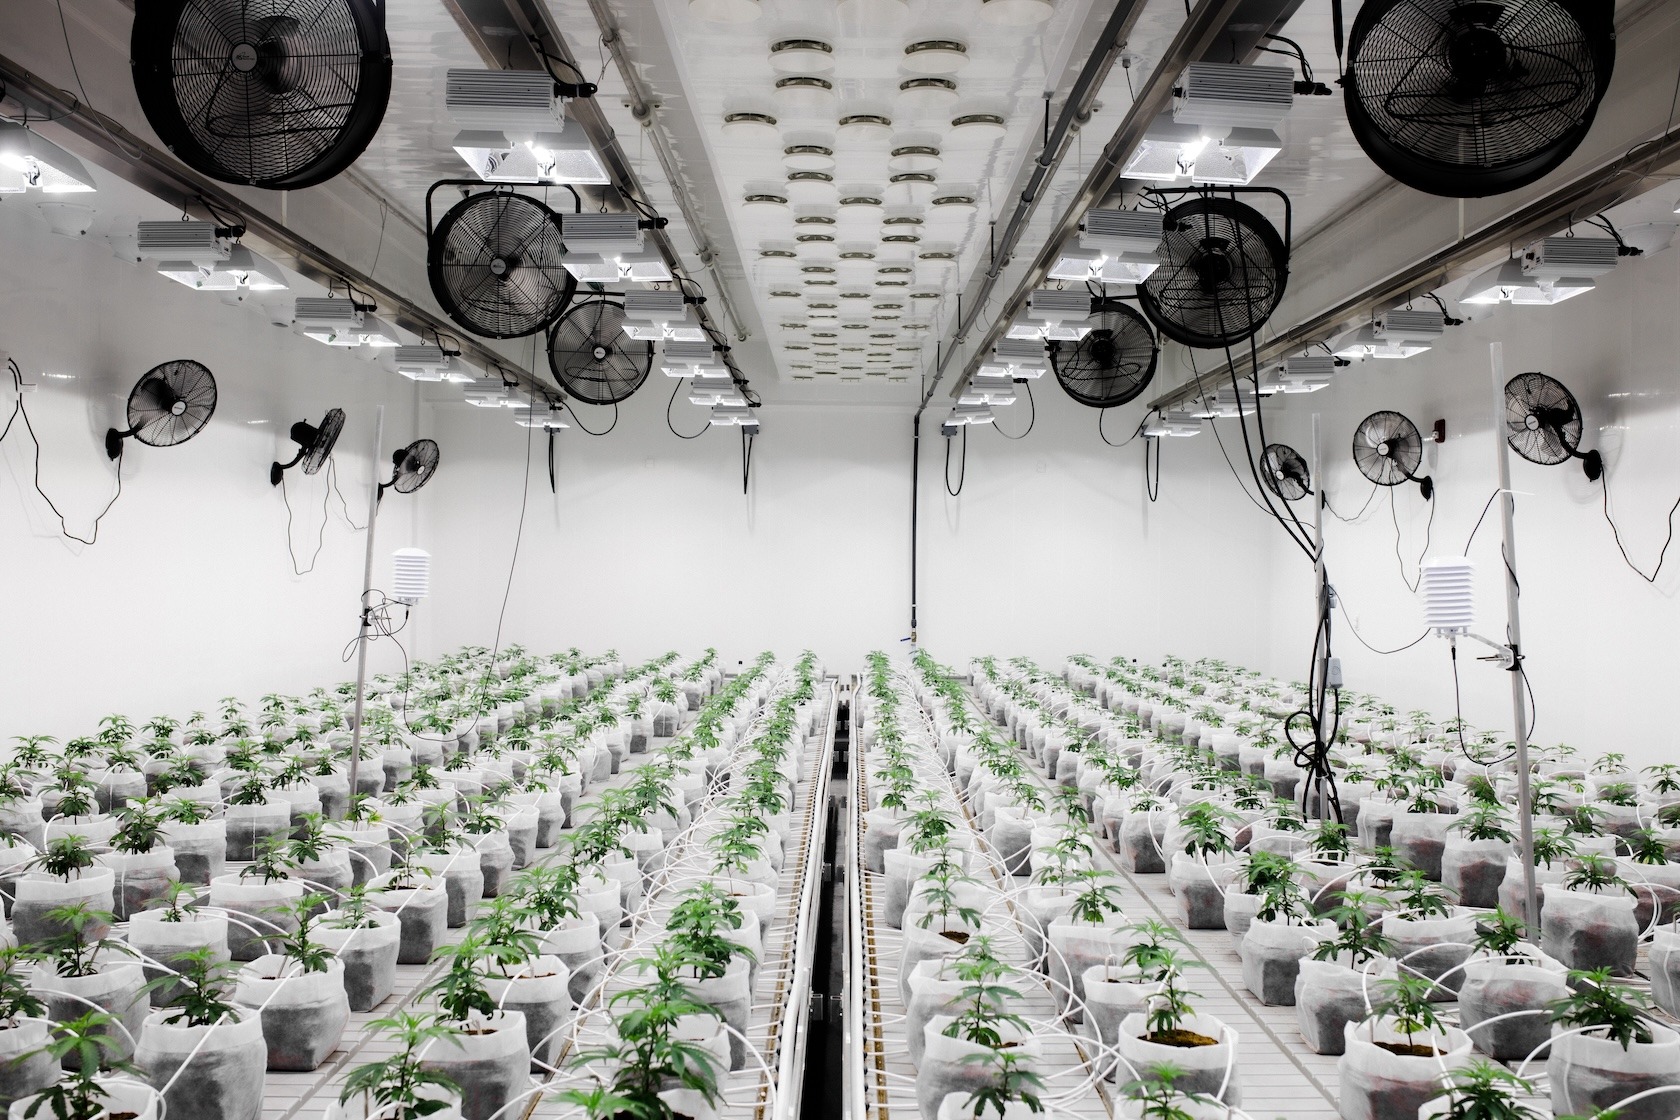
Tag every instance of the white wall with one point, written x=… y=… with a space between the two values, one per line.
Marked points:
x=188 y=594
x=1052 y=547
x=1599 y=640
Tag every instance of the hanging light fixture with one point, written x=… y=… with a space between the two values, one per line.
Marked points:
x=39 y=164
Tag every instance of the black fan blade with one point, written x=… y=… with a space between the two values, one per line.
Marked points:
x=1114 y=363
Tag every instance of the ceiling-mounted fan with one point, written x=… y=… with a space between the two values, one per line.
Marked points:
x=315 y=444
x=1388 y=449
x=494 y=262
x=411 y=467
x=1284 y=472
x=1466 y=99
x=169 y=405
x=281 y=94
x=1113 y=363
x=591 y=356
x=1543 y=423
x=1222 y=273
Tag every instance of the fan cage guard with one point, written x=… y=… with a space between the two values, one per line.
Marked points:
x=592 y=358
x=1285 y=472
x=1465 y=99
x=1114 y=363
x=494 y=263
x=171 y=403
x=1542 y=419
x=1222 y=274
x=281 y=94
x=415 y=465
x=1404 y=443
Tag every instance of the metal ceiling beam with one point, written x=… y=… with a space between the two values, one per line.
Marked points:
x=502 y=32
x=1200 y=32
x=160 y=174
x=1590 y=192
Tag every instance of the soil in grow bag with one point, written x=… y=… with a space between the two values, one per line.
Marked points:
x=1183 y=1039
x=1407 y=1049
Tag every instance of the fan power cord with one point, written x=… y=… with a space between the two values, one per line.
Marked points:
x=674 y=390
x=1031 y=420
x=320 y=536
x=1617 y=534
x=962 y=468
x=1428 y=533
x=18 y=409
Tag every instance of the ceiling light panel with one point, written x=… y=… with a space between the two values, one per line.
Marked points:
x=845 y=138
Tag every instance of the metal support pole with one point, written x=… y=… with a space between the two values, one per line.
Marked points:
x=367 y=588
x=1513 y=624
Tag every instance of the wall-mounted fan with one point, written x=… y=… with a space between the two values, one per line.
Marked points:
x=494 y=264
x=412 y=467
x=1113 y=363
x=591 y=356
x=1388 y=450
x=1464 y=98
x=1284 y=472
x=1222 y=273
x=280 y=94
x=169 y=405
x=1543 y=423
x=315 y=444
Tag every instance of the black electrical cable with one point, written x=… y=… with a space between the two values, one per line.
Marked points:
x=1299 y=531
x=553 y=480
x=672 y=426
x=746 y=457
x=513 y=562
x=1350 y=520
x=1478 y=526
x=332 y=483
x=1152 y=490
x=962 y=469
x=1428 y=533
x=1100 y=435
x=1341 y=606
x=18 y=410
x=1033 y=419
x=1617 y=533
x=585 y=428
x=320 y=536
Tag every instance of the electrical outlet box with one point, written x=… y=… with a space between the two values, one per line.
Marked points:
x=1333 y=673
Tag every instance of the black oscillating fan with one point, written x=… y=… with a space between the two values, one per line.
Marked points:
x=1284 y=472
x=1388 y=450
x=170 y=405
x=315 y=444
x=1543 y=423
x=1223 y=270
x=1113 y=363
x=1466 y=99
x=494 y=264
x=592 y=357
x=412 y=467
x=280 y=94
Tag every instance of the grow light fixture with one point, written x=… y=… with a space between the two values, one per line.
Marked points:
x=335 y=322
x=1173 y=152
x=692 y=359
x=1506 y=282
x=39 y=164
x=989 y=388
x=192 y=243
x=597 y=243
x=971 y=414
x=1017 y=357
x=731 y=414
x=251 y=271
x=487 y=394
x=1364 y=342
x=1115 y=246
x=715 y=391
x=1175 y=424
x=1561 y=259
x=429 y=363
x=1234 y=95
x=503 y=99
x=1059 y=316
x=563 y=156
x=548 y=419
x=1307 y=373
x=657 y=316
